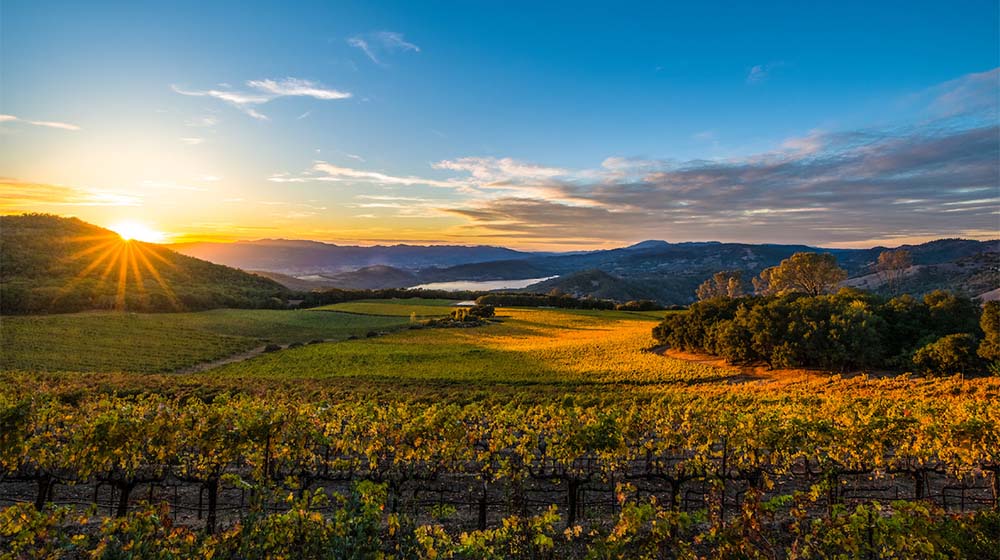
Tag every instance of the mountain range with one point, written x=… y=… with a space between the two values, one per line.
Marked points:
x=297 y=258
x=653 y=269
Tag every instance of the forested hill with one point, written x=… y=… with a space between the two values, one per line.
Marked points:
x=54 y=264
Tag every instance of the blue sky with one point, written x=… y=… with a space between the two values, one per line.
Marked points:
x=562 y=125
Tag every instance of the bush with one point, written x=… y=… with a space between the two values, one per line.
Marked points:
x=954 y=353
x=989 y=348
x=562 y=301
x=639 y=305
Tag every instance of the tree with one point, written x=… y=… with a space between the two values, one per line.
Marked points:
x=989 y=348
x=727 y=284
x=809 y=273
x=954 y=353
x=891 y=267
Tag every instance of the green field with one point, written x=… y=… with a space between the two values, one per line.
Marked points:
x=525 y=346
x=161 y=342
x=395 y=307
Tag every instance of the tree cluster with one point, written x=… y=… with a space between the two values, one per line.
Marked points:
x=942 y=333
x=338 y=295
x=562 y=301
x=639 y=305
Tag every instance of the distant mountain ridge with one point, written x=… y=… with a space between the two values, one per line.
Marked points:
x=652 y=269
x=296 y=257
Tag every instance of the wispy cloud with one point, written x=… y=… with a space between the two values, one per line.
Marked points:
x=378 y=44
x=972 y=94
x=47 y=124
x=25 y=196
x=296 y=87
x=324 y=171
x=927 y=179
x=263 y=91
x=192 y=141
x=500 y=171
x=761 y=72
x=830 y=188
x=202 y=122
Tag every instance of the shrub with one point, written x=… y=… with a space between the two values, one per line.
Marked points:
x=954 y=353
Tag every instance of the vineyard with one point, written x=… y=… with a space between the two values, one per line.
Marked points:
x=547 y=434
x=164 y=342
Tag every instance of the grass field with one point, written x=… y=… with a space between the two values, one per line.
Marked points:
x=395 y=307
x=528 y=354
x=147 y=343
x=528 y=346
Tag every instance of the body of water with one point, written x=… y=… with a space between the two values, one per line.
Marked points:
x=481 y=285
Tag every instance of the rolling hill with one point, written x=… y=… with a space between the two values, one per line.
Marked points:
x=54 y=264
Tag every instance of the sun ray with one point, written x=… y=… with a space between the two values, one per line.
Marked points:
x=94 y=248
x=141 y=253
x=134 y=265
x=122 y=280
x=82 y=275
x=152 y=250
x=111 y=264
x=110 y=236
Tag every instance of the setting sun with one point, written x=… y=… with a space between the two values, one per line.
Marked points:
x=139 y=232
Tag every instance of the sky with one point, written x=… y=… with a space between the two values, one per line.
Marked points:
x=538 y=126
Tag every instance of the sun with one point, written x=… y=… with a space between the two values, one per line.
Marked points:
x=137 y=231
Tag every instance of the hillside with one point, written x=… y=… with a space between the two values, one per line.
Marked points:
x=973 y=275
x=670 y=273
x=594 y=283
x=53 y=264
x=375 y=277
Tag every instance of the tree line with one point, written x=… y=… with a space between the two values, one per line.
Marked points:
x=798 y=318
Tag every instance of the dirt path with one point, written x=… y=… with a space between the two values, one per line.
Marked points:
x=241 y=357
x=755 y=372
x=205 y=366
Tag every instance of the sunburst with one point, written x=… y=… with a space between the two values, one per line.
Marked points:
x=137 y=231
x=123 y=258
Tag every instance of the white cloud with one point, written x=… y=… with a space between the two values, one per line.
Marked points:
x=380 y=43
x=191 y=141
x=761 y=72
x=324 y=171
x=500 y=170
x=805 y=145
x=202 y=122
x=359 y=43
x=265 y=91
x=296 y=87
x=47 y=124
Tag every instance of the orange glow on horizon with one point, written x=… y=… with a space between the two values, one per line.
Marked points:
x=137 y=231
